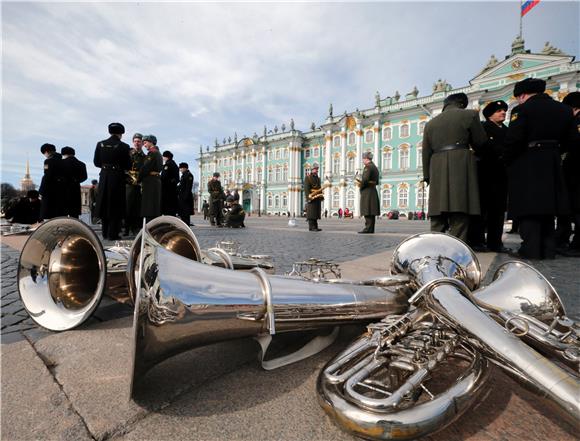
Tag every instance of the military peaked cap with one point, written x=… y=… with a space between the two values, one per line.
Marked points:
x=493 y=107
x=116 y=128
x=183 y=165
x=137 y=136
x=572 y=100
x=67 y=151
x=216 y=175
x=529 y=85
x=151 y=138
x=47 y=148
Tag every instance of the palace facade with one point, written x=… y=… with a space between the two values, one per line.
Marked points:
x=268 y=170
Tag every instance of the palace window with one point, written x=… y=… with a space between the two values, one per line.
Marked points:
x=335 y=199
x=306 y=153
x=238 y=175
x=278 y=174
x=350 y=199
x=386 y=198
x=259 y=175
x=421 y=193
x=248 y=175
x=351 y=138
x=324 y=151
x=403 y=197
x=388 y=160
x=336 y=141
x=387 y=133
x=369 y=136
x=277 y=201
x=336 y=166
x=421 y=127
x=278 y=154
x=284 y=200
x=260 y=157
x=419 y=155
x=285 y=174
x=350 y=164
x=269 y=200
x=404 y=130
x=404 y=157
x=270 y=175
x=316 y=153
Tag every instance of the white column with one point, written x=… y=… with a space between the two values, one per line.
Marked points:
x=376 y=129
x=328 y=169
x=359 y=135
x=253 y=166
x=292 y=177
x=263 y=207
x=243 y=170
x=233 y=167
x=199 y=198
x=342 y=184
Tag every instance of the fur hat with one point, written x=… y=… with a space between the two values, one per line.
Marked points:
x=529 y=85
x=67 y=151
x=459 y=99
x=572 y=100
x=116 y=128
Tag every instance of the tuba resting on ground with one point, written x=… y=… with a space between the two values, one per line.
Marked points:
x=181 y=304
x=64 y=270
x=395 y=382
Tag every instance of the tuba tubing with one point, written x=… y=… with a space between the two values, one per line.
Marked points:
x=182 y=304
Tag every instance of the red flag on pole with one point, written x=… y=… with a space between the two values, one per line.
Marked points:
x=528 y=5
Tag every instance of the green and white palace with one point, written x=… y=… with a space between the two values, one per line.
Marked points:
x=268 y=170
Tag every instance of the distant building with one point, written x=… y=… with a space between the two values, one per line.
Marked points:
x=268 y=170
x=26 y=182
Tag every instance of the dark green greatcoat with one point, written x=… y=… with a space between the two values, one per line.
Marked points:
x=133 y=192
x=369 y=198
x=452 y=175
x=150 y=179
x=313 y=208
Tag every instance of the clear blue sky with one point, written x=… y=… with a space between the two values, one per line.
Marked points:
x=191 y=72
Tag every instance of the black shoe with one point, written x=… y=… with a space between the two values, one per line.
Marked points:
x=364 y=232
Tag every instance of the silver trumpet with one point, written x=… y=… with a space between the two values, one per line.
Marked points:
x=64 y=270
x=414 y=374
x=182 y=304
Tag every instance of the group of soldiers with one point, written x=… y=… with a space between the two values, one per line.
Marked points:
x=218 y=199
x=134 y=185
x=478 y=171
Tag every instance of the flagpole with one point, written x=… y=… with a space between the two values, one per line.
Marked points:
x=521 y=4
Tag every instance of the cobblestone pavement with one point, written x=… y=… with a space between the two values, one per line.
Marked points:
x=271 y=235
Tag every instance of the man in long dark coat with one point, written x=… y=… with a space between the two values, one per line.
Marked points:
x=52 y=185
x=75 y=172
x=112 y=157
x=571 y=169
x=133 y=188
x=93 y=191
x=369 y=198
x=150 y=179
x=540 y=130
x=169 y=181
x=449 y=165
x=216 y=200
x=492 y=178
x=185 y=193
x=314 y=198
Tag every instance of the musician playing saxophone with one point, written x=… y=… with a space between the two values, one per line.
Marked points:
x=313 y=195
x=369 y=198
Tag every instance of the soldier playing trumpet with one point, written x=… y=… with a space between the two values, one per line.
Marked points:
x=314 y=197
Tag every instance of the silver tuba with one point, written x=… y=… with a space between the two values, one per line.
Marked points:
x=395 y=383
x=64 y=270
x=182 y=304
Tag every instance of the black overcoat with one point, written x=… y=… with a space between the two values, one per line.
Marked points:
x=74 y=172
x=112 y=157
x=185 y=193
x=52 y=188
x=150 y=178
x=491 y=170
x=535 y=178
x=369 y=198
x=571 y=168
x=313 y=207
x=169 y=181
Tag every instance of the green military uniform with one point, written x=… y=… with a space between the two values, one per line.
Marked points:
x=236 y=216
x=216 y=199
x=133 y=193
x=150 y=179
x=313 y=206
x=450 y=168
x=369 y=198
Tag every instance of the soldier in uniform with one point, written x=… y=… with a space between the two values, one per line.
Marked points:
x=571 y=168
x=540 y=130
x=75 y=172
x=112 y=157
x=236 y=216
x=492 y=178
x=150 y=179
x=216 y=199
x=132 y=188
x=449 y=165
x=314 y=197
x=169 y=181
x=184 y=193
x=369 y=198
x=93 y=201
x=52 y=184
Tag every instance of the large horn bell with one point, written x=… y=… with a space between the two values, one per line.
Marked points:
x=182 y=304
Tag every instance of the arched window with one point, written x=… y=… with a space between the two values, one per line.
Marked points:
x=387 y=133
x=277 y=201
x=278 y=174
x=335 y=199
x=350 y=199
x=248 y=174
x=404 y=130
x=336 y=165
x=403 y=197
x=277 y=153
x=284 y=200
x=419 y=155
x=269 y=199
x=351 y=138
x=238 y=175
x=369 y=136
x=421 y=127
x=350 y=164
x=316 y=153
x=306 y=153
x=285 y=174
x=387 y=159
x=259 y=175
x=260 y=156
x=386 y=199
x=270 y=175
x=336 y=141
x=421 y=200
x=404 y=157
